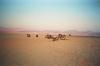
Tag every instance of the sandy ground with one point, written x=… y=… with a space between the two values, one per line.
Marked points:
x=19 y=50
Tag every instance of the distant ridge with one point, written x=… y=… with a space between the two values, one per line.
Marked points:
x=73 y=32
x=2 y=29
x=83 y=33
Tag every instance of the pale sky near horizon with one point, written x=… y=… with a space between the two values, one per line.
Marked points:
x=62 y=15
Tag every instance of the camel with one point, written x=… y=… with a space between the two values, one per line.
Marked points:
x=28 y=35
x=48 y=36
x=54 y=38
x=37 y=35
x=62 y=37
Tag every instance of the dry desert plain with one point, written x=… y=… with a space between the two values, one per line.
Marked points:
x=18 y=50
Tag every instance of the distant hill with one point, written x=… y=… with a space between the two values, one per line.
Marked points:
x=73 y=32
x=2 y=29
x=83 y=33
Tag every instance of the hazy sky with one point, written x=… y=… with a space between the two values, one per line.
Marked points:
x=51 y=14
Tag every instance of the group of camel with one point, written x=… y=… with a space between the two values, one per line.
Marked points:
x=54 y=37
x=58 y=37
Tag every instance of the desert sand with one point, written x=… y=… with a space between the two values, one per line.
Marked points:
x=18 y=50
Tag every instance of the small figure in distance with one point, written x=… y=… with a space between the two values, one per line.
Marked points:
x=70 y=35
x=37 y=35
x=28 y=35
